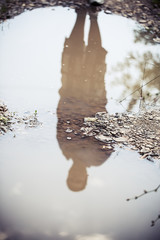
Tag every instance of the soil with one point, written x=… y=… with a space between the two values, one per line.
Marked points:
x=146 y=12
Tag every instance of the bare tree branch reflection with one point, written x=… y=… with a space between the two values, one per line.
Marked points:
x=144 y=193
x=153 y=222
x=143 y=35
x=140 y=88
x=140 y=75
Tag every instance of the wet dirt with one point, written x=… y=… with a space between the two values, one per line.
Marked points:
x=10 y=120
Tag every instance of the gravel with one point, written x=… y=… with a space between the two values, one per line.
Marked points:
x=5 y=119
x=9 y=120
x=141 y=131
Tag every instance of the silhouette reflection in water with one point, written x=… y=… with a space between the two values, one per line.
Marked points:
x=82 y=94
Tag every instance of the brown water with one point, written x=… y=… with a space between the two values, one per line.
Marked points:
x=53 y=183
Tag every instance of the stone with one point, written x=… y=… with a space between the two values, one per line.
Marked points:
x=69 y=130
x=108 y=12
x=44 y=1
x=69 y=138
x=142 y=21
x=103 y=138
x=90 y=119
x=107 y=147
x=156 y=40
x=121 y=139
x=4 y=129
x=96 y=2
x=144 y=150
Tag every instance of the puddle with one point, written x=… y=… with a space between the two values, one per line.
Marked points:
x=54 y=184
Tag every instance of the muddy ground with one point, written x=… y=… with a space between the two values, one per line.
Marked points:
x=146 y=12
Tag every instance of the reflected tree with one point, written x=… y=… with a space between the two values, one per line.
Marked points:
x=144 y=35
x=140 y=75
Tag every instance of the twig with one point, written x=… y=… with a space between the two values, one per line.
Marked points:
x=153 y=222
x=145 y=192
x=140 y=88
x=141 y=91
x=144 y=70
x=123 y=106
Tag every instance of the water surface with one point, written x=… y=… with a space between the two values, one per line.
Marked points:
x=53 y=183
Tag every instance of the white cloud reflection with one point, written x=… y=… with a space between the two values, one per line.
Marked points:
x=63 y=234
x=96 y=182
x=17 y=189
x=93 y=237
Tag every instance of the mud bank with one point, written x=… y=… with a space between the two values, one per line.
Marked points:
x=141 y=132
x=5 y=119
x=9 y=120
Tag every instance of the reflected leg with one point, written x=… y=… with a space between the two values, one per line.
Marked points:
x=94 y=39
x=77 y=33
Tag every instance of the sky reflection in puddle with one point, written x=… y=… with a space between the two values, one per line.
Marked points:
x=40 y=69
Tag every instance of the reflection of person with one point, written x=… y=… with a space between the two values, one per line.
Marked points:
x=82 y=94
